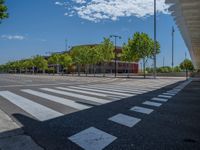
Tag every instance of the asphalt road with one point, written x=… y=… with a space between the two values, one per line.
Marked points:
x=103 y=113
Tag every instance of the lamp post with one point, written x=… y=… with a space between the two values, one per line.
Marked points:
x=154 y=71
x=163 y=61
x=173 y=47
x=115 y=38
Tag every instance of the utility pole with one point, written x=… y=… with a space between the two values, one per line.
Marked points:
x=115 y=38
x=66 y=44
x=173 y=47
x=154 y=71
x=163 y=61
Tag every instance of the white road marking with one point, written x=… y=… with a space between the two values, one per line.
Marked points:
x=81 y=91
x=92 y=139
x=152 y=103
x=171 y=94
x=104 y=91
x=165 y=96
x=94 y=99
x=119 y=87
x=125 y=120
x=113 y=88
x=159 y=99
x=141 y=110
x=171 y=91
x=116 y=89
x=56 y=99
x=40 y=112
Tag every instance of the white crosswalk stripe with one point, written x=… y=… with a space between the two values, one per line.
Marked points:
x=141 y=110
x=104 y=91
x=121 y=90
x=40 y=112
x=89 y=98
x=56 y=99
x=81 y=91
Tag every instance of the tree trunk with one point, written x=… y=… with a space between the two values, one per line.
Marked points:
x=144 y=68
x=58 y=70
x=94 y=69
x=186 y=73
x=128 y=69
x=78 y=70
x=43 y=71
x=33 y=70
x=104 y=69
x=86 y=70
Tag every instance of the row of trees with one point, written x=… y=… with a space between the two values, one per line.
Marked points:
x=3 y=11
x=38 y=64
x=186 y=65
x=140 y=46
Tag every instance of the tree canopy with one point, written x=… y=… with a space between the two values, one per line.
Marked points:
x=187 y=64
x=3 y=10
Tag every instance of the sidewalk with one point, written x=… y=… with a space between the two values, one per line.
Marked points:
x=12 y=136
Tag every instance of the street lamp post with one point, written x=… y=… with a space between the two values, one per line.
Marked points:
x=115 y=37
x=154 y=72
x=173 y=47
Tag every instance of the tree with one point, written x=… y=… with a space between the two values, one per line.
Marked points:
x=144 y=47
x=27 y=64
x=94 y=57
x=65 y=61
x=129 y=54
x=40 y=63
x=77 y=56
x=187 y=66
x=177 y=69
x=106 y=49
x=165 y=69
x=3 y=11
x=54 y=60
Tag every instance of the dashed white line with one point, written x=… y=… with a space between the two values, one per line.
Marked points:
x=165 y=96
x=141 y=110
x=92 y=139
x=159 y=99
x=125 y=120
x=152 y=103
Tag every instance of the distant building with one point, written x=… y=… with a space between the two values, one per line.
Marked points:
x=122 y=67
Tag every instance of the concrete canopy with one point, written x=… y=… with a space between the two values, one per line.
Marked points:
x=186 y=13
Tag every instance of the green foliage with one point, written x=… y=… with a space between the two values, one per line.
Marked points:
x=65 y=60
x=106 y=49
x=3 y=10
x=177 y=69
x=40 y=62
x=142 y=46
x=187 y=65
x=165 y=69
x=54 y=59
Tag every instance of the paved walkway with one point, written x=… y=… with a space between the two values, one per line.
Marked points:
x=167 y=118
x=12 y=136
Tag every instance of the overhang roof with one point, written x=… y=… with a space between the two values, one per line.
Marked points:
x=186 y=13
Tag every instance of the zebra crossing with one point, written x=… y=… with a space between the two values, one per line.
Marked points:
x=93 y=138
x=77 y=98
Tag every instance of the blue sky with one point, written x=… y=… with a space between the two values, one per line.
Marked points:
x=42 y=26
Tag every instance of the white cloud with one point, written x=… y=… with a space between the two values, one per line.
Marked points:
x=59 y=3
x=97 y=10
x=13 y=37
x=80 y=1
